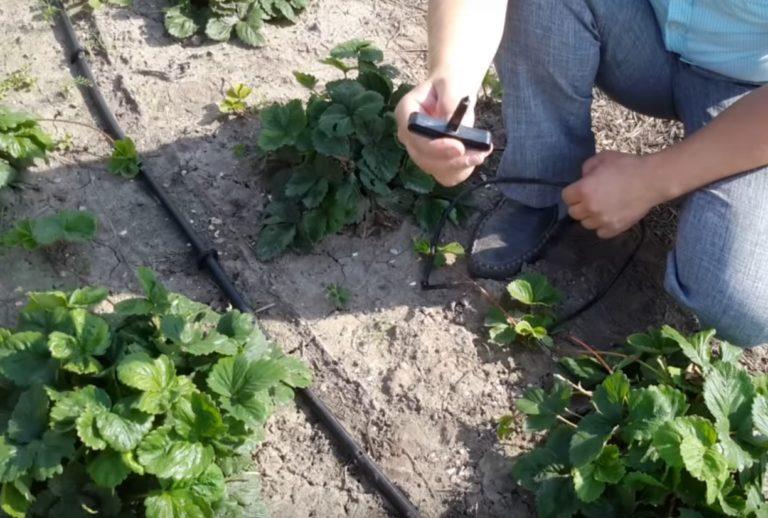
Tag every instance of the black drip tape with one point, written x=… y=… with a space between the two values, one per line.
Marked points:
x=207 y=258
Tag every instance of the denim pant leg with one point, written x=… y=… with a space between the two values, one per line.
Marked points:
x=552 y=55
x=719 y=267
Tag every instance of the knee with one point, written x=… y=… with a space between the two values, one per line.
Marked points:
x=732 y=302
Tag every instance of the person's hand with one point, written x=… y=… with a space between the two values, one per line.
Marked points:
x=616 y=191
x=447 y=160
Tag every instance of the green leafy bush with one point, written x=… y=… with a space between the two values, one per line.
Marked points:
x=68 y=226
x=140 y=411
x=337 y=156
x=678 y=428
x=219 y=18
x=21 y=142
x=529 y=317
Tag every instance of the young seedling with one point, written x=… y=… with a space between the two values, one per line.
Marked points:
x=22 y=141
x=338 y=295
x=17 y=81
x=64 y=227
x=124 y=161
x=235 y=100
x=239 y=150
x=532 y=315
x=445 y=255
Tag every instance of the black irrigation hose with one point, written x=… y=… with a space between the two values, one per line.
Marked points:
x=208 y=258
x=429 y=262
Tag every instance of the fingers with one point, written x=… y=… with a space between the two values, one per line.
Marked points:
x=448 y=160
x=572 y=194
x=578 y=211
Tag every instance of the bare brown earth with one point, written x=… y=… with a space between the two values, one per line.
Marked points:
x=411 y=374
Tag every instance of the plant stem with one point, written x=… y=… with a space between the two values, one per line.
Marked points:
x=576 y=387
x=637 y=359
x=566 y=421
x=594 y=352
x=84 y=125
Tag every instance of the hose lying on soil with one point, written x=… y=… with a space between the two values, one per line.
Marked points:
x=207 y=258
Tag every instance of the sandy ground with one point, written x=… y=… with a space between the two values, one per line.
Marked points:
x=410 y=373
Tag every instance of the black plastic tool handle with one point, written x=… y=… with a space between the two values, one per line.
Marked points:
x=430 y=127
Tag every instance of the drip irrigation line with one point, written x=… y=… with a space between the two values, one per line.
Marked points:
x=207 y=258
x=429 y=263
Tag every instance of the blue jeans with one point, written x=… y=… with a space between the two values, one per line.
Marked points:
x=552 y=54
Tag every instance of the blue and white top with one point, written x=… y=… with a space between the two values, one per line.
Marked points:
x=729 y=37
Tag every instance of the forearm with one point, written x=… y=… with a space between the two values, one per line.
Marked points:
x=734 y=142
x=463 y=38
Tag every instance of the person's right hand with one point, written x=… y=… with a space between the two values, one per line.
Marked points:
x=447 y=160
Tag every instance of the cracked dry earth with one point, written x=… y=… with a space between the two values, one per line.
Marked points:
x=409 y=373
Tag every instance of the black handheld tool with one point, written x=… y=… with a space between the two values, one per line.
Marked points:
x=430 y=127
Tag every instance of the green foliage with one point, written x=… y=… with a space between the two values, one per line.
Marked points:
x=235 y=100
x=21 y=142
x=140 y=411
x=491 y=87
x=124 y=160
x=678 y=427
x=336 y=157
x=445 y=255
x=338 y=295
x=531 y=314
x=220 y=18
x=67 y=226
x=16 y=81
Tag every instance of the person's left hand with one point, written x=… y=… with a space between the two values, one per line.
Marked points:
x=616 y=191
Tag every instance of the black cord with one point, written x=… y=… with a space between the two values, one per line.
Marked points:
x=429 y=262
x=208 y=257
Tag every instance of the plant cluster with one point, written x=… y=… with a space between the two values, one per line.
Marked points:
x=16 y=81
x=671 y=425
x=144 y=410
x=219 y=18
x=124 y=160
x=530 y=314
x=337 y=156
x=22 y=140
x=67 y=226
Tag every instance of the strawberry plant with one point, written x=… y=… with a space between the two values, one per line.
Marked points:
x=336 y=157
x=235 y=100
x=445 y=255
x=139 y=411
x=669 y=425
x=124 y=160
x=220 y=18
x=67 y=226
x=22 y=141
x=531 y=314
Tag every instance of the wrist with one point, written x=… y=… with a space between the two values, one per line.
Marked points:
x=664 y=176
x=454 y=84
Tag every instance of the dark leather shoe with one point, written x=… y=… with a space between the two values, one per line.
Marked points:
x=508 y=236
